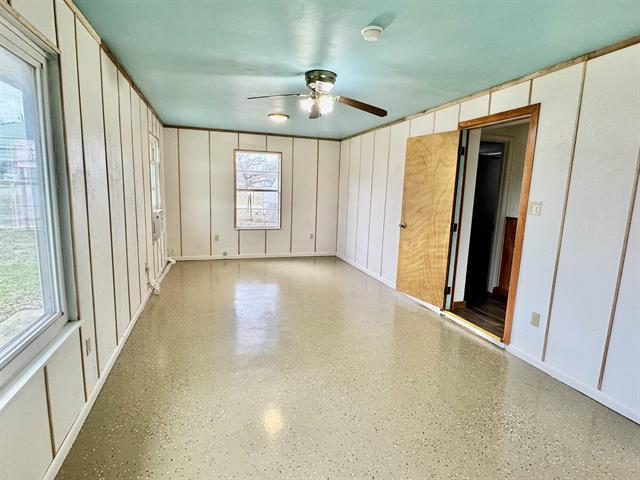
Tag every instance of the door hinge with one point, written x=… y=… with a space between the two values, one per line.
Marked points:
x=461 y=150
x=447 y=290
x=454 y=227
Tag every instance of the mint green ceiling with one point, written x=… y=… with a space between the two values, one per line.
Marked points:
x=198 y=60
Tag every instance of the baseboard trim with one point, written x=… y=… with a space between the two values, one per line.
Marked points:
x=367 y=271
x=568 y=380
x=65 y=447
x=588 y=390
x=188 y=258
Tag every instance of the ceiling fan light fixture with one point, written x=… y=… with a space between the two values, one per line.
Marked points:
x=278 y=117
x=325 y=103
x=371 y=33
x=306 y=103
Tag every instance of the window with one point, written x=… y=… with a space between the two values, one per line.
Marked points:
x=257 y=190
x=31 y=297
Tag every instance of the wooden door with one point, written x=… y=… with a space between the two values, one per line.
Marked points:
x=427 y=205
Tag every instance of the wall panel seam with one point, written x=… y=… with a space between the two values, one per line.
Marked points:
x=616 y=292
x=563 y=216
x=315 y=229
x=86 y=199
x=106 y=165
x=384 y=212
x=373 y=164
x=124 y=202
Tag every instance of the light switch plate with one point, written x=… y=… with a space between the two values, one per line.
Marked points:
x=535 y=319
x=535 y=208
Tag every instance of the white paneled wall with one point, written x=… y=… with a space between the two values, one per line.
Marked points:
x=585 y=246
x=88 y=53
x=602 y=181
x=621 y=377
x=77 y=188
x=203 y=210
x=303 y=203
x=559 y=95
x=172 y=191
x=393 y=206
x=195 y=190
x=364 y=199
x=131 y=214
x=378 y=199
x=355 y=145
x=327 y=192
x=224 y=235
x=116 y=193
x=278 y=241
x=106 y=127
x=25 y=444
x=343 y=191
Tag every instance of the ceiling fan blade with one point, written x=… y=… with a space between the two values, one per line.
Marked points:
x=281 y=95
x=314 y=111
x=361 y=106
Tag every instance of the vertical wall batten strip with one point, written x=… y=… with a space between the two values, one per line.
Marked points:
x=126 y=232
x=384 y=211
x=339 y=197
x=293 y=166
x=135 y=191
x=210 y=206
x=86 y=199
x=49 y=410
x=179 y=191
x=616 y=292
x=106 y=158
x=373 y=166
x=315 y=225
x=563 y=215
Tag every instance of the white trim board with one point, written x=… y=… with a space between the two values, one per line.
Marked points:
x=589 y=390
x=65 y=447
x=189 y=258
x=368 y=272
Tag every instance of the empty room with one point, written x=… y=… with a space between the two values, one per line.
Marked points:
x=319 y=239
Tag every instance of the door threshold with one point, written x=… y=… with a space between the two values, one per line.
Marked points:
x=490 y=337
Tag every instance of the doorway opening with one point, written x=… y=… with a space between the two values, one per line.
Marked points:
x=490 y=205
x=435 y=255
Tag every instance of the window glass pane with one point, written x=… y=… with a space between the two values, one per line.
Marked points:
x=258 y=218
x=25 y=259
x=257 y=189
x=247 y=180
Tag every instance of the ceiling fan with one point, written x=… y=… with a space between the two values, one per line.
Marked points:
x=319 y=101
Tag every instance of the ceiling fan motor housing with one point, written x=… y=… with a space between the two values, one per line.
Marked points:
x=320 y=80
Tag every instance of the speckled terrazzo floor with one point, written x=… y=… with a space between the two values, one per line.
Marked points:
x=309 y=369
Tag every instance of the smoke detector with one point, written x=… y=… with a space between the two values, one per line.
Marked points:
x=372 y=33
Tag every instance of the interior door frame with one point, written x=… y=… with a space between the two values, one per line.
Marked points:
x=532 y=112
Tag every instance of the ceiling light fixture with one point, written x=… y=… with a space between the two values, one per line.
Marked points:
x=325 y=102
x=372 y=33
x=278 y=117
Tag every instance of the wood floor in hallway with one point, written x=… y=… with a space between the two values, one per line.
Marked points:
x=309 y=369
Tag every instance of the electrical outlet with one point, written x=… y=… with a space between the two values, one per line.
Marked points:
x=87 y=346
x=535 y=208
x=216 y=237
x=535 y=319
x=224 y=254
x=311 y=236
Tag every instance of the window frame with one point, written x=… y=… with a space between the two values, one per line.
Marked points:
x=22 y=348
x=236 y=189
